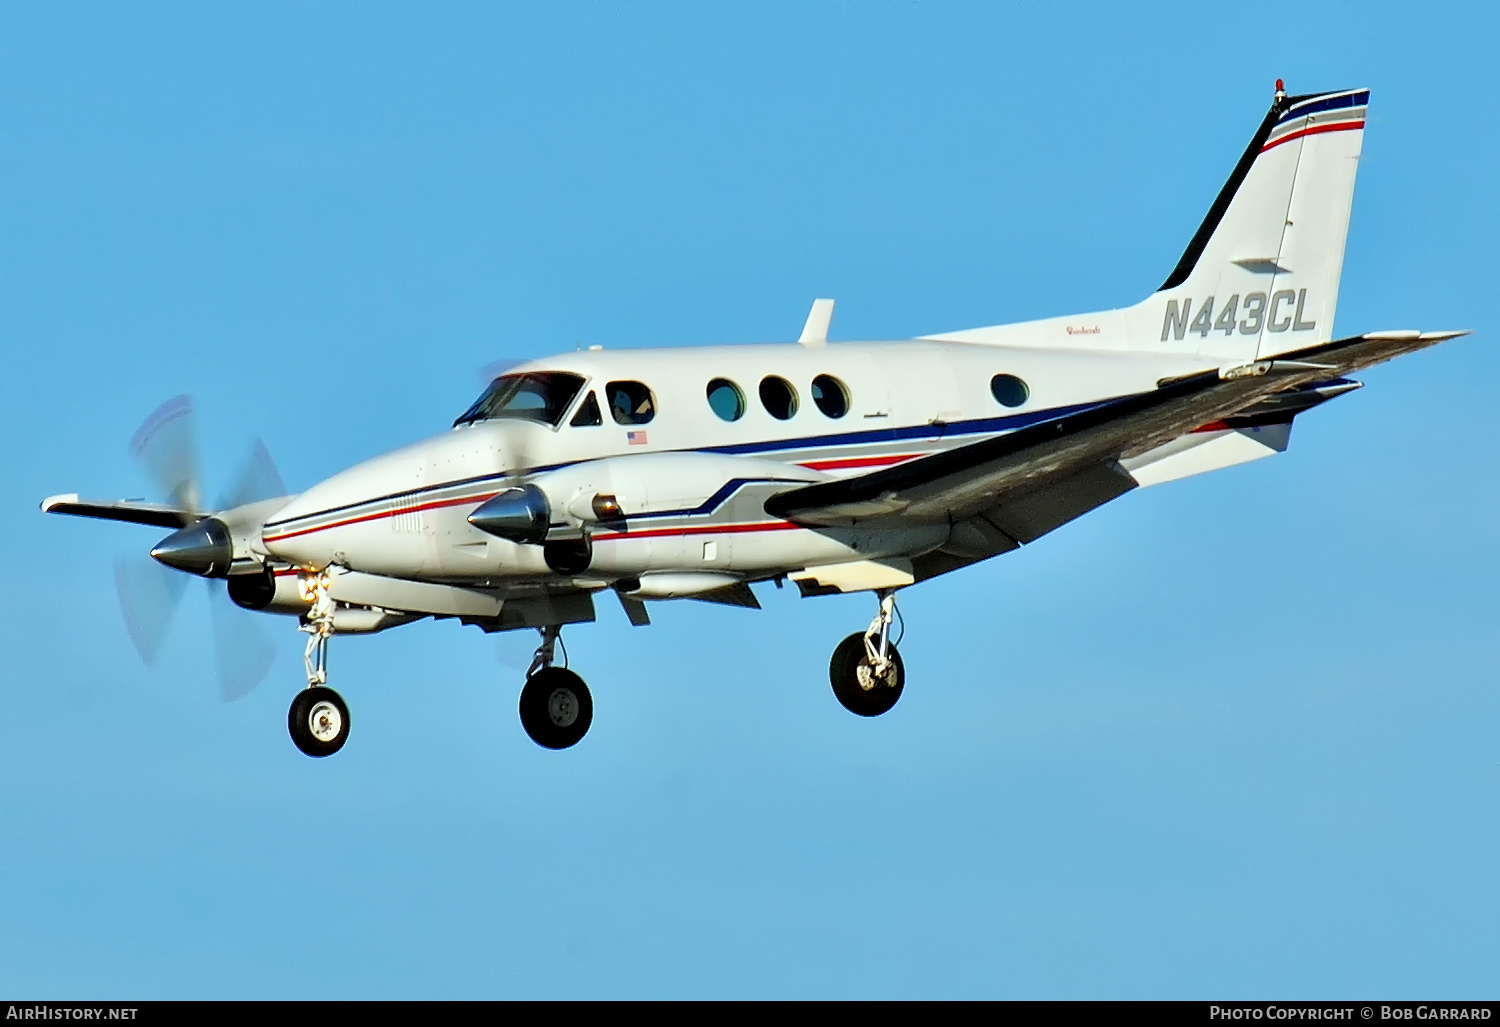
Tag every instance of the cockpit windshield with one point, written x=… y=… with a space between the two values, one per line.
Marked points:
x=542 y=396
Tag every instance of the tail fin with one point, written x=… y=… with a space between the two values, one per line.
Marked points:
x=1261 y=275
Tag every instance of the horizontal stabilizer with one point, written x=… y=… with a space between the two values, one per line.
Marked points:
x=162 y=515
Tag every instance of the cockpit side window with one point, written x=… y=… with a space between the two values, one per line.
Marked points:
x=630 y=402
x=541 y=396
x=588 y=415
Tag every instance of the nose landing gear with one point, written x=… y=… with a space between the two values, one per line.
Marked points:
x=866 y=670
x=318 y=719
x=556 y=707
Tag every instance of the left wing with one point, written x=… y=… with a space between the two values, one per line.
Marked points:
x=1014 y=488
x=163 y=515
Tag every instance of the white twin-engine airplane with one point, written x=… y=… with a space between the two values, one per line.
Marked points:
x=855 y=467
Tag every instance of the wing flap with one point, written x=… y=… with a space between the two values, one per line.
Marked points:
x=1029 y=516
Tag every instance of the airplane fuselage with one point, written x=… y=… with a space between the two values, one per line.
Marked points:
x=694 y=482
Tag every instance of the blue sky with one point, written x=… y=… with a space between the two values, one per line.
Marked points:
x=1232 y=737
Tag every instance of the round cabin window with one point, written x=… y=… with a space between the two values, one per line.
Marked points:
x=1008 y=390
x=830 y=395
x=726 y=399
x=778 y=397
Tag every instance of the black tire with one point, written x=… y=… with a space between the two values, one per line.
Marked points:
x=318 y=721
x=849 y=683
x=556 y=708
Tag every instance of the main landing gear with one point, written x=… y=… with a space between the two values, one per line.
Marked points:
x=318 y=719
x=866 y=669
x=556 y=708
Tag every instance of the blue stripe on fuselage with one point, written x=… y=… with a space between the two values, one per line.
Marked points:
x=951 y=429
x=920 y=431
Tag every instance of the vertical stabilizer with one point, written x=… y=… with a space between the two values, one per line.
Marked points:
x=1261 y=275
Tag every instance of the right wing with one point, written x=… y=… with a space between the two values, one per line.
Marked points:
x=1011 y=489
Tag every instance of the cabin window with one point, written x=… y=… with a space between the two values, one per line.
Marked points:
x=630 y=402
x=726 y=399
x=830 y=395
x=778 y=397
x=588 y=415
x=528 y=396
x=1008 y=390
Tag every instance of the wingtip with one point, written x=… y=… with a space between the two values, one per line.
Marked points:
x=1413 y=335
x=51 y=502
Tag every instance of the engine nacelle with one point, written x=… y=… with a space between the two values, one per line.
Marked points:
x=619 y=488
x=564 y=510
x=268 y=591
x=697 y=513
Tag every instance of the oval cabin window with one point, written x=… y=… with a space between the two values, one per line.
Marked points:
x=630 y=402
x=778 y=397
x=726 y=399
x=830 y=395
x=1008 y=390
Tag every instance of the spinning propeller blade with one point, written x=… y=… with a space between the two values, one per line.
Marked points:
x=514 y=649
x=166 y=448
x=242 y=653
x=149 y=594
x=258 y=479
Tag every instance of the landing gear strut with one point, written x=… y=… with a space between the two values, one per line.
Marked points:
x=866 y=669
x=556 y=708
x=318 y=720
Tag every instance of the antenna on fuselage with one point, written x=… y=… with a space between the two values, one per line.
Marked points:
x=815 y=331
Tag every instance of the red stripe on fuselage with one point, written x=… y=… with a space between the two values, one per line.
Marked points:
x=707 y=529
x=816 y=465
x=857 y=461
x=435 y=505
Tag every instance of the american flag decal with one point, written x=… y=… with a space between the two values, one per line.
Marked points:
x=636 y=438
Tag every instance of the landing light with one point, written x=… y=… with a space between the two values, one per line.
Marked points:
x=607 y=508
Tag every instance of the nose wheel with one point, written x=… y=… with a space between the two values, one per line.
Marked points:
x=556 y=707
x=866 y=669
